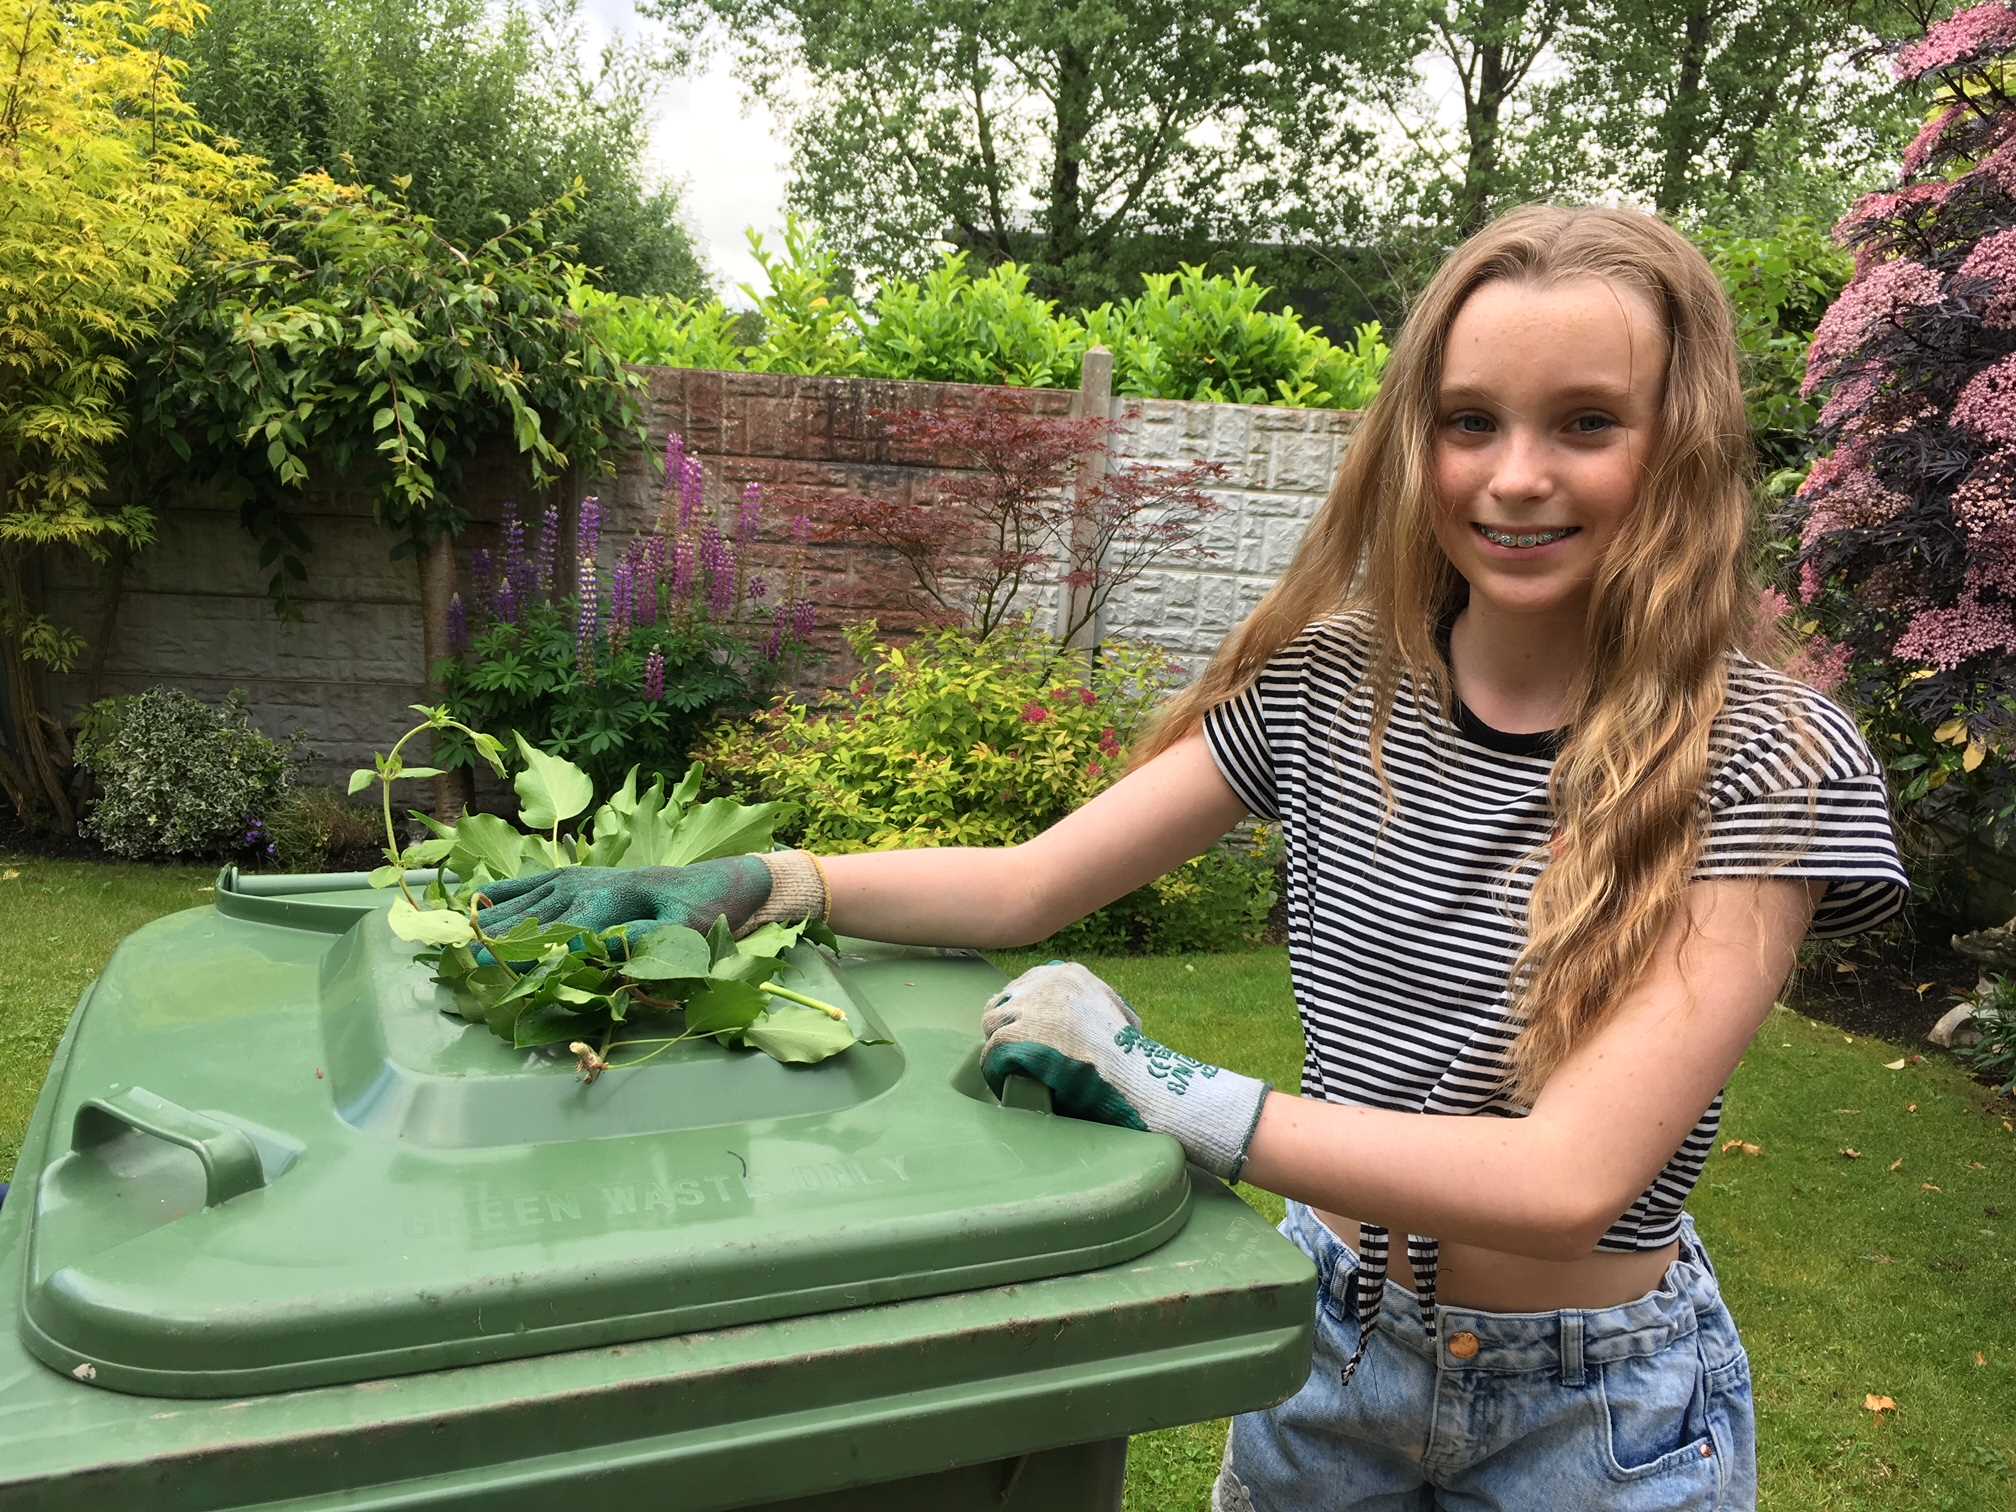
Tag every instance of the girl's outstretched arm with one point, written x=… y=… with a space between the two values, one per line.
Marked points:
x=1550 y=1184
x=1155 y=818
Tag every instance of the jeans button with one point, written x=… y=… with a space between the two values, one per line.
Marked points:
x=1463 y=1346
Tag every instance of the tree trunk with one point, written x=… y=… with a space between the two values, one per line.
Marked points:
x=1480 y=124
x=34 y=764
x=1681 y=125
x=437 y=586
x=1066 y=230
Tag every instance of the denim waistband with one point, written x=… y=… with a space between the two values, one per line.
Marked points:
x=1564 y=1339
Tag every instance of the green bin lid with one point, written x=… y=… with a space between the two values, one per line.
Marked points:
x=276 y=1162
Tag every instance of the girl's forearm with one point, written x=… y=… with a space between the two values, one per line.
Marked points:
x=982 y=898
x=1501 y=1183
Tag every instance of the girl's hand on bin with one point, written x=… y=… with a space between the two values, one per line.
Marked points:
x=1061 y=1025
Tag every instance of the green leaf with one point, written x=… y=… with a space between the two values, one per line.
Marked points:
x=434 y=926
x=545 y=1024
x=385 y=876
x=799 y=1035
x=490 y=841
x=428 y=852
x=821 y=933
x=723 y=1007
x=669 y=953
x=550 y=790
x=770 y=939
x=720 y=939
x=745 y=968
x=360 y=779
x=490 y=748
x=723 y=827
x=406 y=772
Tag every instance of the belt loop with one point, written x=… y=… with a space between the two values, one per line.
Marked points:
x=1571 y=1348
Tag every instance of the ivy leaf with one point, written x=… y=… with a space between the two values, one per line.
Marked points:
x=798 y=1035
x=384 y=876
x=723 y=1007
x=821 y=933
x=550 y=790
x=545 y=1024
x=745 y=968
x=669 y=953
x=433 y=926
x=720 y=940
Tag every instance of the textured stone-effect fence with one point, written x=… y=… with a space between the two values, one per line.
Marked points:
x=192 y=610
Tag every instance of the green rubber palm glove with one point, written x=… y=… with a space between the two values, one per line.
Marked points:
x=746 y=890
x=1062 y=1026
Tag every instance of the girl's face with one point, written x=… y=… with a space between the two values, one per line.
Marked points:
x=1548 y=410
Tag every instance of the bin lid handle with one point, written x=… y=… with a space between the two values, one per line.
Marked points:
x=231 y=1165
x=1027 y=1093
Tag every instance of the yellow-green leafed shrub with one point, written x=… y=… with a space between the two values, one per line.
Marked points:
x=956 y=740
x=955 y=328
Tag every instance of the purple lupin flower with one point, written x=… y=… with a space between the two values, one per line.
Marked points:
x=758 y=587
x=691 y=480
x=507 y=603
x=482 y=581
x=549 y=552
x=619 y=602
x=801 y=529
x=773 y=644
x=802 y=619
x=721 y=586
x=654 y=676
x=750 y=515
x=588 y=584
x=683 y=563
x=458 y=625
x=650 y=566
x=517 y=567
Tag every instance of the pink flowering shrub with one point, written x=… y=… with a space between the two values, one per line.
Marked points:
x=1907 y=524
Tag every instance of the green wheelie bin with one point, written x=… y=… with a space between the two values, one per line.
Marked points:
x=284 y=1234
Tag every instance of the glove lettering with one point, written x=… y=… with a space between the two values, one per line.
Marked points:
x=1165 y=1065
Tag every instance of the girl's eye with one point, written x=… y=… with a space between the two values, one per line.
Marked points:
x=1602 y=422
x=1461 y=422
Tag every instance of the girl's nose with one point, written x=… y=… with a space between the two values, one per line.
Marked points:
x=1521 y=469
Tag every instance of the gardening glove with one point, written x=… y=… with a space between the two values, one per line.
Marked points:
x=764 y=888
x=1060 y=1025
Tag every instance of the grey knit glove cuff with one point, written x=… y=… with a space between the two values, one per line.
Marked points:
x=797 y=890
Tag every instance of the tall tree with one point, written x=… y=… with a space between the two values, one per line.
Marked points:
x=108 y=188
x=489 y=110
x=1700 y=105
x=1058 y=134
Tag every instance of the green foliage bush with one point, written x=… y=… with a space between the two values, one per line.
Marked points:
x=178 y=777
x=1780 y=285
x=962 y=740
x=1994 y=1055
x=1190 y=335
x=318 y=829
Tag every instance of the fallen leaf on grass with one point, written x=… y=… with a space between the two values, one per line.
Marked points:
x=1852 y=1154
x=1878 y=1404
x=1879 y=1258
x=1847 y=1110
x=1980 y=1358
x=2008 y=1127
x=1896 y=1065
x=1910 y=1107
x=1926 y=1186
x=1925 y=987
x=1897 y=1164
x=1744 y=1145
x=1975 y=1165
x=9 y=875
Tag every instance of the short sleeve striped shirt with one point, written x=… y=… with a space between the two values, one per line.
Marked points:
x=1403 y=929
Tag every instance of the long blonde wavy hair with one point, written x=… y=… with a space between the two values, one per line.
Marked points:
x=1672 y=596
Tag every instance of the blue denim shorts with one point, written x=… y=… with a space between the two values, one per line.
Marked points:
x=1643 y=1407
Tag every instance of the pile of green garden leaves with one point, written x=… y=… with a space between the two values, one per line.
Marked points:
x=601 y=992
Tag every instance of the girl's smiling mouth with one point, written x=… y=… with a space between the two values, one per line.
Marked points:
x=1525 y=540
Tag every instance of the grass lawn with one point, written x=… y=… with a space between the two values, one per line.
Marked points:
x=1847 y=1277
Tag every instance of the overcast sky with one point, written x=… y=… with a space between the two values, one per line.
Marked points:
x=728 y=157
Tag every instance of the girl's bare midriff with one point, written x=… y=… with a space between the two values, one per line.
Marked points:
x=1493 y=1281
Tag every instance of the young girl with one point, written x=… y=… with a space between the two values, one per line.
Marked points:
x=1553 y=839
